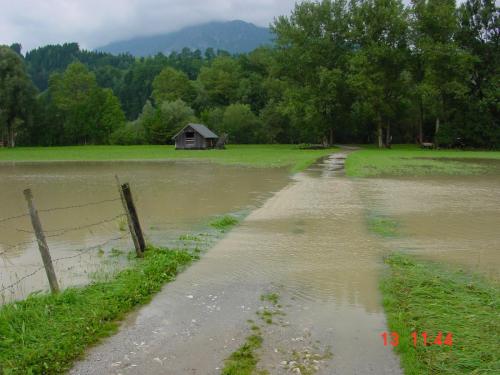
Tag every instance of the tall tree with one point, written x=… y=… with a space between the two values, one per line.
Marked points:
x=17 y=94
x=441 y=66
x=378 y=67
x=313 y=48
x=171 y=85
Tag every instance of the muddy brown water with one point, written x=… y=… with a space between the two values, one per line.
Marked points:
x=448 y=219
x=309 y=244
x=172 y=198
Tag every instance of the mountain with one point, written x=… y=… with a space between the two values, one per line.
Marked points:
x=232 y=36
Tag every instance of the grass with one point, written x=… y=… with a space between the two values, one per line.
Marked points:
x=44 y=334
x=383 y=226
x=244 y=360
x=427 y=297
x=247 y=155
x=409 y=160
x=224 y=223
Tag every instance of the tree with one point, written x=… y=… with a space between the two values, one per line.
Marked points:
x=17 y=94
x=171 y=85
x=241 y=124
x=313 y=49
x=162 y=123
x=441 y=66
x=378 y=67
x=221 y=81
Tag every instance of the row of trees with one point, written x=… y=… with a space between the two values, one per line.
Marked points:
x=340 y=71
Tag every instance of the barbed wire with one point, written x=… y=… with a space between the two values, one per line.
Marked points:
x=79 y=205
x=13 y=217
x=71 y=229
x=84 y=251
x=17 y=282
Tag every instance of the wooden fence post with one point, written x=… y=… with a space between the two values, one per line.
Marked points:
x=42 y=243
x=133 y=220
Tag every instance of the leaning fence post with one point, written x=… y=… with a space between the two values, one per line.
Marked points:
x=133 y=220
x=42 y=243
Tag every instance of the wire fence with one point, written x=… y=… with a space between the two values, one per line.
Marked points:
x=44 y=238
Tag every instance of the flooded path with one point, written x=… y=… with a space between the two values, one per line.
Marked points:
x=309 y=244
x=172 y=198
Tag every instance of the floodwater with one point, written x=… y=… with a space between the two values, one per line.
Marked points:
x=171 y=197
x=449 y=219
x=309 y=244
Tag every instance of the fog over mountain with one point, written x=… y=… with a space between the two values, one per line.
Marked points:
x=232 y=36
x=96 y=23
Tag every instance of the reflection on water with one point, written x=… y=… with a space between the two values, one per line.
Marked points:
x=450 y=219
x=171 y=198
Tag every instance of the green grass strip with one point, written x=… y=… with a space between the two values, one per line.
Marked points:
x=265 y=156
x=44 y=334
x=405 y=160
x=428 y=297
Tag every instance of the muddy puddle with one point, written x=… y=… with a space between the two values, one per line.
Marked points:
x=171 y=198
x=449 y=219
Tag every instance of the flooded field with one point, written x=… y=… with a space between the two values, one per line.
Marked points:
x=172 y=198
x=449 y=219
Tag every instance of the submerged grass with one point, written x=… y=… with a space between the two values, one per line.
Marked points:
x=44 y=334
x=247 y=155
x=383 y=226
x=409 y=160
x=421 y=296
x=224 y=223
x=244 y=360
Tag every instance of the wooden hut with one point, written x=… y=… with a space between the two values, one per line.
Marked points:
x=195 y=137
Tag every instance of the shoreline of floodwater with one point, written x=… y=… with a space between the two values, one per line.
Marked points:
x=455 y=310
x=46 y=333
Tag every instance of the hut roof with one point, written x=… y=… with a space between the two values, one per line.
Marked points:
x=201 y=129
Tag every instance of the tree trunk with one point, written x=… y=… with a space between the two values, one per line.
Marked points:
x=421 y=123
x=436 y=132
x=11 y=137
x=379 y=135
x=331 y=136
x=388 y=138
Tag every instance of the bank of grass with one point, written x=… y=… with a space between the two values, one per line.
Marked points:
x=409 y=160
x=428 y=297
x=247 y=155
x=44 y=334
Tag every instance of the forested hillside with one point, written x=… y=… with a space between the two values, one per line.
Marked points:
x=340 y=71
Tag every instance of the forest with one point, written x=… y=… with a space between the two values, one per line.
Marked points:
x=358 y=71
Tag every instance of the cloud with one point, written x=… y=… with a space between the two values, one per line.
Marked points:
x=94 y=23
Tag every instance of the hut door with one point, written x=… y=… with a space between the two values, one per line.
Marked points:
x=190 y=139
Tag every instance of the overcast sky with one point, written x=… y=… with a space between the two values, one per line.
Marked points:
x=94 y=23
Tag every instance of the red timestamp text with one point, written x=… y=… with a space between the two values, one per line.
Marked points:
x=419 y=339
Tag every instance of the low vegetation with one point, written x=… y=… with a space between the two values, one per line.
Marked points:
x=244 y=360
x=421 y=296
x=383 y=226
x=223 y=223
x=412 y=161
x=44 y=334
x=266 y=156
